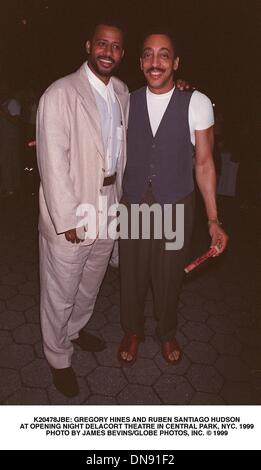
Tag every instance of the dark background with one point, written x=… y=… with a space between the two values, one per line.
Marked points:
x=41 y=40
x=220 y=56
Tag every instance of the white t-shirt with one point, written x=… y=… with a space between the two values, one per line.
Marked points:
x=201 y=115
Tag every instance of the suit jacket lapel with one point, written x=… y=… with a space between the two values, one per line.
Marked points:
x=83 y=87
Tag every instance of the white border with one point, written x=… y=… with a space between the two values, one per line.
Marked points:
x=12 y=437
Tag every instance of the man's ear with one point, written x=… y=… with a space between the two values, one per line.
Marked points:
x=176 y=63
x=88 y=46
x=122 y=54
x=141 y=64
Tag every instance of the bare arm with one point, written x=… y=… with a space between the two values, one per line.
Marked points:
x=206 y=179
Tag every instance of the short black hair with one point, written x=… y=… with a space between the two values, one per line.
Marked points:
x=165 y=31
x=106 y=21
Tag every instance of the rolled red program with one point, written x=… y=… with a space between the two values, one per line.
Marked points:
x=213 y=250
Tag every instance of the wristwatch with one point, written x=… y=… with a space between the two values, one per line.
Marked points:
x=214 y=221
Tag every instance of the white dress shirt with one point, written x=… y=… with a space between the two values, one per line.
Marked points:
x=110 y=117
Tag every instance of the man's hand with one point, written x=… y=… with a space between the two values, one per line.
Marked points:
x=218 y=237
x=184 y=85
x=71 y=236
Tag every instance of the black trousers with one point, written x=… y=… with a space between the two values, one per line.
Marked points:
x=145 y=262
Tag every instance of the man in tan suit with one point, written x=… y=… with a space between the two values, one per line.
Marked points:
x=81 y=157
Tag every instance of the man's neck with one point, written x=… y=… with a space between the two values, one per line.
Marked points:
x=102 y=78
x=158 y=92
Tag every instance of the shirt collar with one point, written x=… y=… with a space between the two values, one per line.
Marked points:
x=100 y=87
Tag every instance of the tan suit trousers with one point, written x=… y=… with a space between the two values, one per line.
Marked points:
x=70 y=278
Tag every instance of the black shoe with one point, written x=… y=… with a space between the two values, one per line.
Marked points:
x=89 y=342
x=65 y=381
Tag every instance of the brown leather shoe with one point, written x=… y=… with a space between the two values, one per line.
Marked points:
x=167 y=348
x=89 y=342
x=65 y=381
x=129 y=345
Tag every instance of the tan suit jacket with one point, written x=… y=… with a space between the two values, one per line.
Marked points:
x=70 y=151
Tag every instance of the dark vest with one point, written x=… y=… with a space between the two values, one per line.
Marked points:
x=166 y=159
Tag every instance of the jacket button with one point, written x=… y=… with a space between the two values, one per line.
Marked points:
x=153 y=146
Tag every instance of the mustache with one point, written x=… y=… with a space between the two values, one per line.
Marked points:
x=102 y=57
x=155 y=69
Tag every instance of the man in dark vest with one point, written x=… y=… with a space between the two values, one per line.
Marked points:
x=167 y=127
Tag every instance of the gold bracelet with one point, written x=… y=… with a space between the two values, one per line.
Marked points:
x=214 y=221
